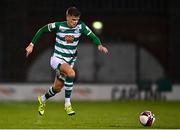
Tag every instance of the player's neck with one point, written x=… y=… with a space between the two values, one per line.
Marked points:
x=68 y=24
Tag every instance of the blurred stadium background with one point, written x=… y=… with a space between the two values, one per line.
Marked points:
x=142 y=37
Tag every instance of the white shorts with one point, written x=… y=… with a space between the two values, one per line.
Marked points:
x=55 y=62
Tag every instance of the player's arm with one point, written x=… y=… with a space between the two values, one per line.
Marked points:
x=87 y=31
x=47 y=28
x=97 y=41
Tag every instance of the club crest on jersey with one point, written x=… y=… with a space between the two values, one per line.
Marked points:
x=77 y=30
x=62 y=30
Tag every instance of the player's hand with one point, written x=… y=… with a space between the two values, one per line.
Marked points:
x=102 y=49
x=29 y=49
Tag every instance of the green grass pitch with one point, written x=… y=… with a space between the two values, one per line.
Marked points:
x=97 y=115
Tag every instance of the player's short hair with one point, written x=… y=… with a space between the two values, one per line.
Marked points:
x=73 y=11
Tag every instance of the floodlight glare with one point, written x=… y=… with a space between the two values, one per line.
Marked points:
x=97 y=25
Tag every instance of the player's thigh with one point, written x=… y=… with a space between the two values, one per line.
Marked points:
x=60 y=66
x=67 y=70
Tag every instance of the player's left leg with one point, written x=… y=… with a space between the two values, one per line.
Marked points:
x=68 y=84
x=68 y=90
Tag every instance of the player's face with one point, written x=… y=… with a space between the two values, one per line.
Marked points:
x=72 y=21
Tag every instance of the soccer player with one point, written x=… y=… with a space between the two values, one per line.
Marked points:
x=65 y=54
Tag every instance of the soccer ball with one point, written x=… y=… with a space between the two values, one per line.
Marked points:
x=147 y=118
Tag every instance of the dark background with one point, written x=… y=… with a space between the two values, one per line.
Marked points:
x=124 y=20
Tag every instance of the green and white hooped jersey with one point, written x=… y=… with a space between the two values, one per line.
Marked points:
x=64 y=49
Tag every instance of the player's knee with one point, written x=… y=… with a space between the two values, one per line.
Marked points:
x=71 y=73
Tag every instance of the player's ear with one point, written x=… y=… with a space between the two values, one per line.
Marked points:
x=67 y=17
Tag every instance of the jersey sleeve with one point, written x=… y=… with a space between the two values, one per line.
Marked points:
x=51 y=27
x=87 y=31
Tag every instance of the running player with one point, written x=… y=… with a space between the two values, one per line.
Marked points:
x=65 y=54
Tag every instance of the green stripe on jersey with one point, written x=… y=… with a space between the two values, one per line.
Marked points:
x=68 y=31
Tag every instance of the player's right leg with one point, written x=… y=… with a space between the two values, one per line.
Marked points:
x=42 y=100
x=41 y=107
x=58 y=85
x=56 y=88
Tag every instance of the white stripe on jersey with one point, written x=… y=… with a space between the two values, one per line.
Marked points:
x=63 y=28
x=65 y=43
x=89 y=32
x=67 y=51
